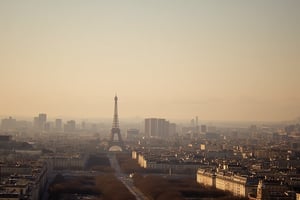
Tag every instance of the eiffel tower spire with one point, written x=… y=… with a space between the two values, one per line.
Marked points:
x=116 y=130
x=116 y=118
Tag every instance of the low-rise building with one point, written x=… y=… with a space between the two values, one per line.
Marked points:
x=207 y=178
x=26 y=181
x=67 y=161
x=166 y=161
x=226 y=181
x=273 y=189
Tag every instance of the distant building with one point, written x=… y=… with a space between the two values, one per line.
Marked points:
x=67 y=161
x=132 y=134
x=40 y=122
x=197 y=125
x=192 y=122
x=193 y=129
x=43 y=117
x=58 y=124
x=273 y=189
x=36 y=122
x=158 y=160
x=70 y=126
x=83 y=125
x=8 y=124
x=212 y=136
x=212 y=129
x=5 y=138
x=203 y=129
x=187 y=130
x=156 y=127
x=172 y=129
x=48 y=126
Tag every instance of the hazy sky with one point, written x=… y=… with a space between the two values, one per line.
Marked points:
x=220 y=60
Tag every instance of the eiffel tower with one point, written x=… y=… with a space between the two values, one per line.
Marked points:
x=118 y=142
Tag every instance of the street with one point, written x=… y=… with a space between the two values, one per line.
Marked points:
x=124 y=178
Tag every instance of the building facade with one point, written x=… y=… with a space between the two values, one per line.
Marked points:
x=238 y=185
x=159 y=128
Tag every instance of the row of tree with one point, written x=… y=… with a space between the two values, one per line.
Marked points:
x=156 y=187
x=128 y=165
x=99 y=162
x=78 y=185
x=112 y=188
x=104 y=187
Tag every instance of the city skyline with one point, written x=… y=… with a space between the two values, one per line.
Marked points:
x=232 y=61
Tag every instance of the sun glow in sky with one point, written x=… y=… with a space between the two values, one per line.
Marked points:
x=219 y=60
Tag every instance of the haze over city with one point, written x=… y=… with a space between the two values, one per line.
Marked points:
x=219 y=60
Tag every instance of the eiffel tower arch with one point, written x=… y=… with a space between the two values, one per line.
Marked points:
x=115 y=142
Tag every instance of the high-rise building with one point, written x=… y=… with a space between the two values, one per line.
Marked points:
x=36 y=122
x=192 y=122
x=203 y=129
x=83 y=125
x=155 y=127
x=151 y=127
x=58 y=124
x=48 y=126
x=197 y=125
x=8 y=124
x=43 y=118
x=70 y=126
x=40 y=121
x=172 y=129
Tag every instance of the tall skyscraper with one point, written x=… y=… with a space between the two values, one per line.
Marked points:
x=40 y=121
x=151 y=127
x=155 y=127
x=43 y=118
x=197 y=125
